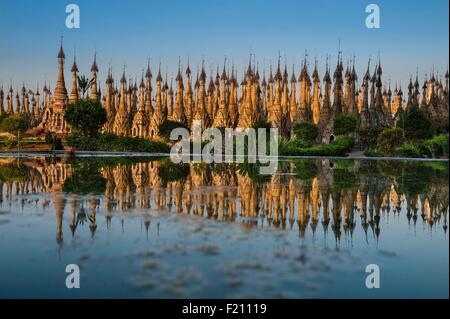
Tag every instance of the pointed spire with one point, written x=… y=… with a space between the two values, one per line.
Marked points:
x=179 y=76
x=142 y=85
x=61 y=54
x=159 y=77
x=74 y=66
x=293 y=78
x=123 y=79
x=109 y=78
x=249 y=69
x=224 y=74
x=315 y=74
x=271 y=75
x=203 y=73
x=327 y=77
x=379 y=70
x=278 y=74
x=94 y=67
x=188 y=69
x=148 y=74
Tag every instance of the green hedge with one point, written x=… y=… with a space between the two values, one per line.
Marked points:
x=341 y=146
x=409 y=151
x=113 y=143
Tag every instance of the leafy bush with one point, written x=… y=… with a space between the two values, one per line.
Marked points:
x=339 y=147
x=306 y=131
x=283 y=146
x=435 y=147
x=85 y=116
x=14 y=124
x=113 y=143
x=415 y=124
x=410 y=151
x=344 y=124
x=372 y=153
x=368 y=136
x=389 y=140
x=300 y=143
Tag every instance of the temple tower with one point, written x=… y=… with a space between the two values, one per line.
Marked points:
x=55 y=112
x=73 y=98
x=315 y=105
x=325 y=124
x=188 y=102
x=221 y=119
x=140 y=124
x=109 y=103
x=293 y=99
x=158 y=113
x=178 y=111
x=94 y=70
x=363 y=104
x=338 y=88
x=275 y=116
x=121 y=125
x=2 y=96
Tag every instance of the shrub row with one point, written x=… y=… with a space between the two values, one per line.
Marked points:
x=434 y=147
x=113 y=143
x=341 y=146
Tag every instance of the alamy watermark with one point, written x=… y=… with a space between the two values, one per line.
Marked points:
x=373 y=19
x=373 y=279
x=73 y=19
x=73 y=279
x=208 y=146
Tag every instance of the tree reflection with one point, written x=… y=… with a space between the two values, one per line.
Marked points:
x=337 y=195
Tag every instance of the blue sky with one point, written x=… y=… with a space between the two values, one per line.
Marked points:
x=412 y=34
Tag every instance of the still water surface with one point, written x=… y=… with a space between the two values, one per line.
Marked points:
x=144 y=227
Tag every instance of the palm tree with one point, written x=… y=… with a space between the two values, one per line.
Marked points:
x=84 y=84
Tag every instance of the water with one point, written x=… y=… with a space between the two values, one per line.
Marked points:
x=144 y=227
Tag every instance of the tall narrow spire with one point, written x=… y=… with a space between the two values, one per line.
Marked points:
x=94 y=69
x=74 y=93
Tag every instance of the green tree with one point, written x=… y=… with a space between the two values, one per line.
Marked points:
x=85 y=116
x=84 y=84
x=14 y=124
x=306 y=131
x=416 y=124
x=368 y=136
x=344 y=124
x=390 y=139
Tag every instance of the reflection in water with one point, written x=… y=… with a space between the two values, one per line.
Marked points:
x=334 y=194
